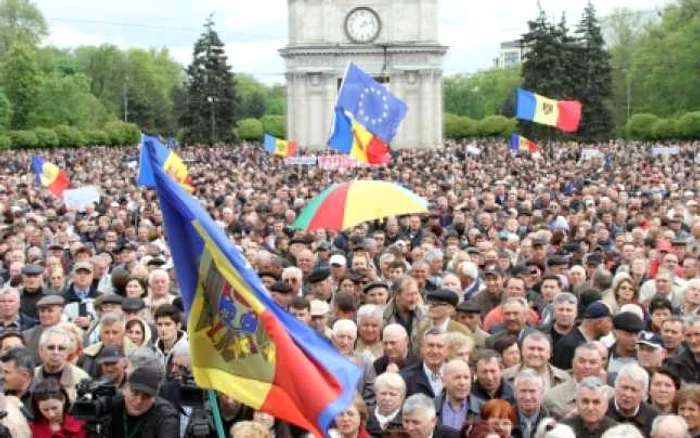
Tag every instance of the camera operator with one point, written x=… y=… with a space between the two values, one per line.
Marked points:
x=180 y=375
x=138 y=411
x=112 y=364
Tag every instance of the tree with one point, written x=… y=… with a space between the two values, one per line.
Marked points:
x=67 y=100
x=665 y=129
x=250 y=129
x=210 y=88
x=593 y=78
x=5 y=113
x=640 y=126
x=19 y=76
x=21 y=22
x=274 y=125
x=493 y=126
x=481 y=94
x=689 y=125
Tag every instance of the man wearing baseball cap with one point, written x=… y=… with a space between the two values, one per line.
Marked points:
x=651 y=351
x=140 y=412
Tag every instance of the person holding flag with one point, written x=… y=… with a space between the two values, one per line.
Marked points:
x=50 y=176
x=241 y=343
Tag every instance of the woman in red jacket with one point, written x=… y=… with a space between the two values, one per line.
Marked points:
x=51 y=405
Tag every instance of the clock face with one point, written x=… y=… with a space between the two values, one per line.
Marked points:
x=362 y=25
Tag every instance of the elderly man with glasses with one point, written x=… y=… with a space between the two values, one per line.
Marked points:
x=54 y=346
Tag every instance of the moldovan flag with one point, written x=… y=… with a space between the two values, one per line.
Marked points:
x=352 y=138
x=519 y=143
x=564 y=114
x=50 y=176
x=166 y=159
x=283 y=148
x=241 y=342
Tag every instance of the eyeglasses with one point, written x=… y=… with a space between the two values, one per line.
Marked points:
x=52 y=347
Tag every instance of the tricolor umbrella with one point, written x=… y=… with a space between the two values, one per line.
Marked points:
x=343 y=206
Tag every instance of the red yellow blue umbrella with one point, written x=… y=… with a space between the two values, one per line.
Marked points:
x=343 y=206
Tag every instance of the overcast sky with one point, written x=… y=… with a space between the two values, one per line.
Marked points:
x=254 y=30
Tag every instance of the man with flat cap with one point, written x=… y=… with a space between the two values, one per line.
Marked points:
x=441 y=306
x=376 y=292
x=267 y=278
x=468 y=313
x=627 y=327
x=320 y=282
x=282 y=293
x=32 y=289
x=50 y=309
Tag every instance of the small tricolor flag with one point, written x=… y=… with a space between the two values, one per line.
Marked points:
x=50 y=176
x=241 y=342
x=518 y=143
x=277 y=146
x=563 y=114
x=167 y=159
x=351 y=138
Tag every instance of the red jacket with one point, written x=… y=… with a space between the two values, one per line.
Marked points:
x=71 y=428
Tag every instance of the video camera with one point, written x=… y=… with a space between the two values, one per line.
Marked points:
x=200 y=423
x=94 y=405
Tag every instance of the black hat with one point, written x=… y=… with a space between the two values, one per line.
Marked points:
x=659 y=302
x=318 y=275
x=468 y=306
x=570 y=247
x=133 y=304
x=445 y=296
x=493 y=270
x=374 y=284
x=538 y=242
x=55 y=246
x=155 y=261
x=145 y=379
x=300 y=239
x=651 y=339
x=51 y=300
x=596 y=310
x=281 y=287
x=126 y=246
x=32 y=270
x=323 y=246
x=628 y=322
x=110 y=354
x=473 y=250
x=112 y=299
x=594 y=259
x=558 y=260
x=269 y=274
x=516 y=270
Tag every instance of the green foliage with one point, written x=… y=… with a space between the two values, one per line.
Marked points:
x=250 y=129
x=69 y=136
x=46 y=138
x=5 y=142
x=458 y=127
x=5 y=112
x=21 y=22
x=66 y=100
x=274 y=125
x=23 y=139
x=95 y=137
x=122 y=134
x=665 y=129
x=493 y=126
x=689 y=125
x=481 y=94
x=211 y=100
x=19 y=77
x=640 y=126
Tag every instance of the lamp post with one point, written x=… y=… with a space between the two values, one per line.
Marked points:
x=211 y=100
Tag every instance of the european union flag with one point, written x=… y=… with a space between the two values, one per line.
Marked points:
x=371 y=104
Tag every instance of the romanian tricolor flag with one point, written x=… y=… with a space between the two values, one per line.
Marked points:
x=166 y=159
x=352 y=138
x=241 y=342
x=563 y=114
x=519 y=143
x=283 y=148
x=50 y=176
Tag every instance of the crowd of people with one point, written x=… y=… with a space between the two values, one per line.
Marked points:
x=541 y=297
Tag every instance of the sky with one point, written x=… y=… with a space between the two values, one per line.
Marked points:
x=254 y=31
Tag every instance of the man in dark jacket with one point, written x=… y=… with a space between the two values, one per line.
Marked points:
x=628 y=405
x=426 y=376
x=140 y=412
x=591 y=404
x=686 y=363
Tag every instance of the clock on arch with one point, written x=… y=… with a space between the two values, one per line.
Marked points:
x=362 y=25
